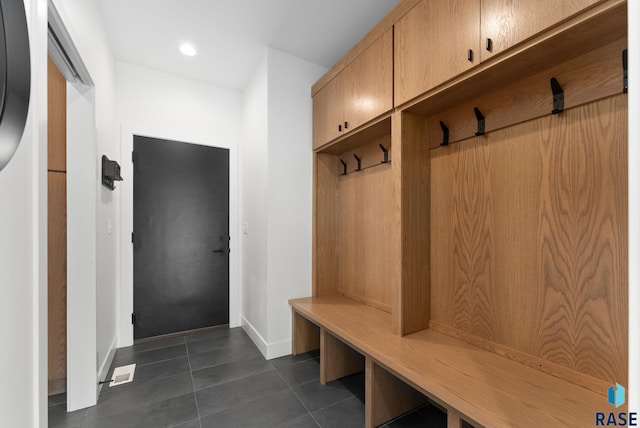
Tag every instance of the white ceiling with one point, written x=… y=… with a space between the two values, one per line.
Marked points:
x=231 y=35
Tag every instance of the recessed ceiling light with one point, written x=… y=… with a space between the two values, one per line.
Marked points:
x=188 y=49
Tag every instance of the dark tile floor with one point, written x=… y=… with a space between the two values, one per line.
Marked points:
x=220 y=379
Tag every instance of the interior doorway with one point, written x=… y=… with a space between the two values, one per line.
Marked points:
x=57 y=229
x=76 y=109
x=181 y=236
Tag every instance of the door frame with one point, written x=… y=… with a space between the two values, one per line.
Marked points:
x=82 y=190
x=125 y=298
x=82 y=184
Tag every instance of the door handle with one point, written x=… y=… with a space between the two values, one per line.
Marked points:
x=223 y=250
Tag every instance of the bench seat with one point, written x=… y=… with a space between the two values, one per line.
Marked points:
x=471 y=383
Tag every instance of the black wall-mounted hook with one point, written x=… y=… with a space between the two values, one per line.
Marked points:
x=344 y=166
x=558 y=96
x=480 y=118
x=385 y=154
x=445 y=134
x=625 y=77
x=359 y=162
x=110 y=172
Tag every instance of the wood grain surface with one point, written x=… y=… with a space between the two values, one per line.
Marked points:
x=529 y=238
x=337 y=359
x=325 y=224
x=57 y=123
x=328 y=112
x=387 y=397
x=598 y=26
x=306 y=335
x=482 y=387
x=411 y=294
x=57 y=228
x=366 y=213
x=431 y=45
x=508 y=22
x=57 y=278
x=368 y=83
x=374 y=34
x=586 y=78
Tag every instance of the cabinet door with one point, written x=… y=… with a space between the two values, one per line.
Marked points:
x=432 y=44
x=507 y=22
x=328 y=113
x=57 y=277
x=368 y=83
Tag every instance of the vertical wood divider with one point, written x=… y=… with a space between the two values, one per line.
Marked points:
x=453 y=419
x=306 y=335
x=325 y=224
x=411 y=305
x=337 y=360
x=386 y=396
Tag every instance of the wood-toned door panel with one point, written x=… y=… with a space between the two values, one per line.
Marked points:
x=57 y=113
x=368 y=83
x=57 y=259
x=432 y=44
x=328 y=113
x=57 y=228
x=508 y=22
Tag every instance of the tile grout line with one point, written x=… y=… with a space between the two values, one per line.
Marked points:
x=297 y=397
x=193 y=384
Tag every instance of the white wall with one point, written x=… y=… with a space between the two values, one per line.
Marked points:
x=254 y=189
x=276 y=195
x=290 y=190
x=162 y=105
x=82 y=174
x=83 y=20
x=23 y=251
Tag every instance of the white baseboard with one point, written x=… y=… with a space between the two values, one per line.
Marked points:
x=106 y=364
x=279 y=349
x=269 y=350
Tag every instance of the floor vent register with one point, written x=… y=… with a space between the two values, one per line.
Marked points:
x=123 y=374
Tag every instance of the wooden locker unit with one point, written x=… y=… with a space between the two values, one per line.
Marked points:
x=368 y=83
x=351 y=260
x=506 y=23
x=435 y=41
x=361 y=92
x=529 y=242
x=484 y=268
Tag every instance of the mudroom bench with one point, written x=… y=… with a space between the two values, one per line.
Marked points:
x=474 y=385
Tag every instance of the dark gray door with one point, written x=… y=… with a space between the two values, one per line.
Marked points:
x=181 y=236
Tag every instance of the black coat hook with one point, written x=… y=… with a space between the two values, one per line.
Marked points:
x=445 y=134
x=558 y=96
x=480 y=118
x=385 y=154
x=344 y=166
x=359 y=168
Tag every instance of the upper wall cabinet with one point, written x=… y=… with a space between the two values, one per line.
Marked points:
x=435 y=41
x=328 y=112
x=360 y=93
x=507 y=22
